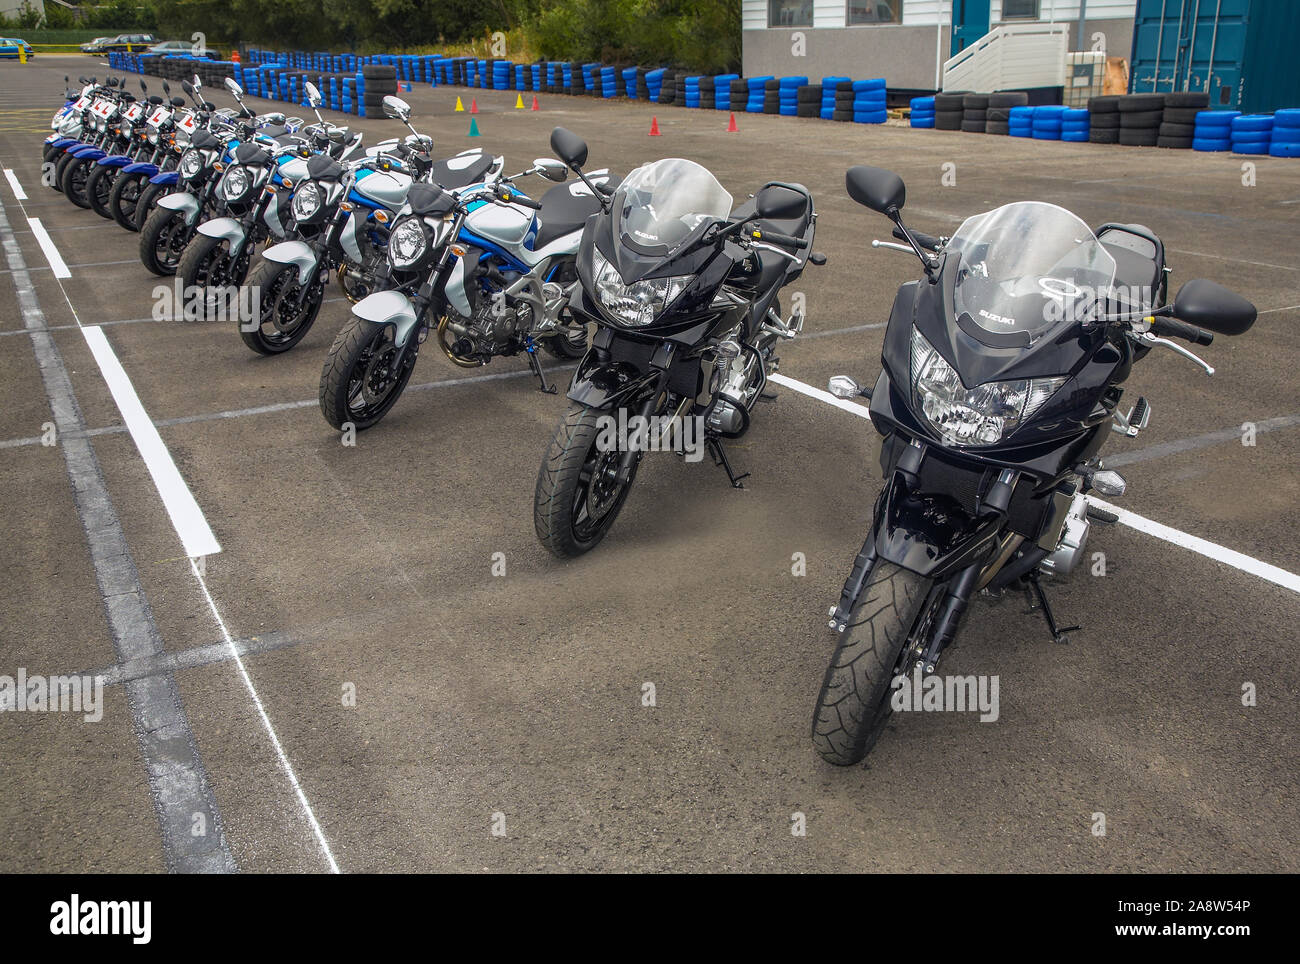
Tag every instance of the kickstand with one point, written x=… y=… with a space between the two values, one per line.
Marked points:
x=1035 y=591
x=720 y=458
x=536 y=366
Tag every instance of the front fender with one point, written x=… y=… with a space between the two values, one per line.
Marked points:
x=929 y=535
x=187 y=204
x=114 y=160
x=609 y=385
x=141 y=167
x=298 y=253
x=388 y=308
x=88 y=153
x=225 y=229
x=166 y=177
x=63 y=143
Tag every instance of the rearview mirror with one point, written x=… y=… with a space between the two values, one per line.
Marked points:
x=882 y=191
x=313 y=95
x=166 y=88
x=397 y=108
x=1213 y=307
x=551 y=169
x=232 y=85
x=196 y=82
x=144 y=87
x=779 y=203
x=187 y=87
x=569 y=147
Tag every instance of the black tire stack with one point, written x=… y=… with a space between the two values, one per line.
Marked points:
x=975 y=113
x=1103 y=119
x=998 y=116
x=949 y=110
x=707 y=98
x=679 y=90
x=739 y=94
x=381 y=80
x=843 y=101
x=808 y=101
x=1140 y=116
x=1178 y=126
x=668 y=87
x=771 y=96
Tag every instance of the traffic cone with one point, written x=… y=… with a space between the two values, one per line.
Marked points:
x=473 y=106
x=459 y=106
x=519 y=102
x=535 y=104
x=473 y=127
x=731 y=125
x=654 y=127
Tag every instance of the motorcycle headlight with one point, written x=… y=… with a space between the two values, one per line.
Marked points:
x=983 y=415
x=307 y=201
x=637 y=304
x=235 y=183
x=191 y=163
x=407 y=243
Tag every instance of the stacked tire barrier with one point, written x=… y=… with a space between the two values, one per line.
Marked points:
x=1212 y=130
x=1103 y=119
x=1252 y=133
x=1020 y=121
x=1178 y=124
x=949 y=110
x=1047 y=122
x=922 y=115
x=974 y=113
x=1286 y=134
x=1075 y=126
x=1000 y=106
x=1140 y=117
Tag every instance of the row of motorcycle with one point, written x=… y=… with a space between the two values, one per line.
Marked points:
x=1001 y=375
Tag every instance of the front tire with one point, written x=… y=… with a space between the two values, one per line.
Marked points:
x=162 y=241
x=578 y=496
x=208 y=264
x=99 y=187
x=75 y=176
x=854 y=703
x=283 y=318
x=150 y=195
x=125 y=197
x=354 y=386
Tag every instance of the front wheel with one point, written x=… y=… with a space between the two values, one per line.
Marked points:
x=854 y=704
x=286 y=311
x=569 y=343
x=356 y=384
x=150 y=195
x=75 y=176
x=98 y=188
x=209 y=266
x=578 y=495
x=124 y=198
x=162 y=241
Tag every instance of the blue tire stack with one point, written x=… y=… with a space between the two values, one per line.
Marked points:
x=1286 y=134
x=757 y=92
x=869 y=101
x=349 y=97
x=1075 y=125
x=1047 y=122
x=1214 y=130
x=828 y=95
x=788 y=87
x=1252 y=133
x=722 y=90
x=608 y=82
x=692 y=91
x=501 y=75
x=923 y=112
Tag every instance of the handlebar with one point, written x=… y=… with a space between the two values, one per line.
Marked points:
x=1180 y=329
x=785 y=240
x=511 y=197
x=927 y=241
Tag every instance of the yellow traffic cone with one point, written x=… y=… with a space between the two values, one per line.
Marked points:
x=459 y=105
x=519 y=102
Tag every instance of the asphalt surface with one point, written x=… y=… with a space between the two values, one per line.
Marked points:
x=516 y=701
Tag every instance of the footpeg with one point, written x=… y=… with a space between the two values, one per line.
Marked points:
x=1135 y=421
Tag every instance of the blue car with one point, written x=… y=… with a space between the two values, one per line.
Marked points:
x=9 y=48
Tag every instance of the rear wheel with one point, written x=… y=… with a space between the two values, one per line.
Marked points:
x=285 y=311
x=74 y=180
x=162 y=241
x=124 y=198
x=99 y=186
x=356 y=385
x=894 y=610
x=578 y=495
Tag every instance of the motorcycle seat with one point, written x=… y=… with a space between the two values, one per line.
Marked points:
x=461 y=171
x=565 y=208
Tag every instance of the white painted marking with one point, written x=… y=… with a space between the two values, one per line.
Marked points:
x=51 y=252
x=266 y=722
x=187 y=518
x=1211 y=550
x=13 y=183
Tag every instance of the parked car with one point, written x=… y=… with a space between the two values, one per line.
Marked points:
x=129 y=41
x=95 y=46
x=9 y=48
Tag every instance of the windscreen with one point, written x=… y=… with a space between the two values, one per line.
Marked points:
x=1027 y=266
x=661 y=203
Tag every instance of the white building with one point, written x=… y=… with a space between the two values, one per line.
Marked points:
x=907 y=41
x=11 y=8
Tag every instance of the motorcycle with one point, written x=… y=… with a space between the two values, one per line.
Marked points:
x=68 y=123
x=485 y=267
x=133 y=133
x=100 y=137
x=1002 y=369
x=684 y=293
x=341 y=219
x=248 y=207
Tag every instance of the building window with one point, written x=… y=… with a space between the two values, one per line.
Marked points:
x=789 y=13
x=1019 y=9
x=875 y=11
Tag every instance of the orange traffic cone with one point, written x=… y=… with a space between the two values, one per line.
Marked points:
x=731 y=125
x=459 y=105
x=473 y=107
x=654 y=127
x=535 y=105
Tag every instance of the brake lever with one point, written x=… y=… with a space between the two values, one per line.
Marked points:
x=774 y=249
x=1152 y=339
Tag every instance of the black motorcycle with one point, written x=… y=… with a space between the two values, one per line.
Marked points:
x=683 y=291
x=1002 y=375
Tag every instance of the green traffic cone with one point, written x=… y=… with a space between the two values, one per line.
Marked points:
x=473 y=127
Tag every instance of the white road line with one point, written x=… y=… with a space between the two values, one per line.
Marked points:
x=13 y=183
x=1211 y=550
x=51 y=252
x=266 y=722
x=187 y=518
